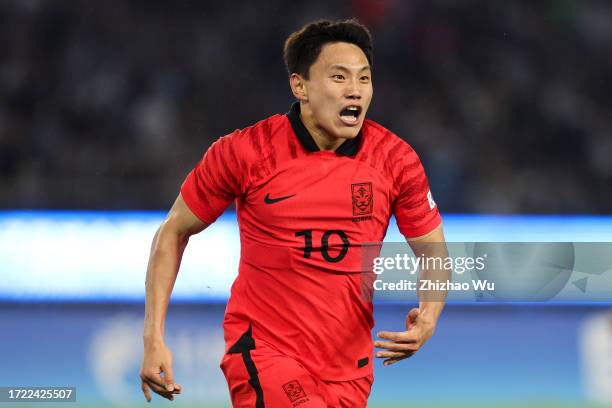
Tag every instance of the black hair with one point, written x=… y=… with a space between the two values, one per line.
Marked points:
x=302 y=48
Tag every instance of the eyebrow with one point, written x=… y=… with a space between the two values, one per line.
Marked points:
x=342 y=67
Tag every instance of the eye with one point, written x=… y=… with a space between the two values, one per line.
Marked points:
x=365 y=78
x=338 y=77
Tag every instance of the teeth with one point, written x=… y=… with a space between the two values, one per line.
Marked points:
x=350 y=114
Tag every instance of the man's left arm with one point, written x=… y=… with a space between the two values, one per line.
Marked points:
x=421 y=321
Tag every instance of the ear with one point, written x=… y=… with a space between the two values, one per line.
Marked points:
x=298 y=87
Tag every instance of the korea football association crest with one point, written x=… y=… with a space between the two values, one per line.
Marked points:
x=295 y=392
x=363 y=199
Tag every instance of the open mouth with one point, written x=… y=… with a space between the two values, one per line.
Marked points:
x=350 y=115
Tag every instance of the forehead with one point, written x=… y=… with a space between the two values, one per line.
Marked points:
x=341 y=53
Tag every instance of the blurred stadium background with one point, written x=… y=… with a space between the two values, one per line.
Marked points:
x=105 y=107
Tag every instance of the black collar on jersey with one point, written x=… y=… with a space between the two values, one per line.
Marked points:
x=350 y=147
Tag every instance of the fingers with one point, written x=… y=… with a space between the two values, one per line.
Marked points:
x=145 y=391
x=156 y=383
x=414 y=313
x=390 y=354
x=159 y=390
x=153 y=377
x=404 y=337
x=169 y=379
x=412 y=318
x=390 y=361
x=393 y=336
x=393 y=346
x=402 y=346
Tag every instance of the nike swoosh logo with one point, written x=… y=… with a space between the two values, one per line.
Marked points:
x=270 y=200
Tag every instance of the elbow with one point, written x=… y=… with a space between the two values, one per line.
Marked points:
x=169 y=231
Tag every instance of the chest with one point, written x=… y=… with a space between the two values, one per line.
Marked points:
x=320 y=189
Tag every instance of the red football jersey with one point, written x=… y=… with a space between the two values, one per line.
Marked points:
x=303 y=214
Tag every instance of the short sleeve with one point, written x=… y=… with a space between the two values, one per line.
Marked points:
x=215 y=181
x=415 y=210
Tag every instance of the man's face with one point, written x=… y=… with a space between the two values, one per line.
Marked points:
x=339 y=90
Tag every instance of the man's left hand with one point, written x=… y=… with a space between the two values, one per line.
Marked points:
x=404 y=344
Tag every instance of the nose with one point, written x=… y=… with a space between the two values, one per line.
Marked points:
x=353 y=91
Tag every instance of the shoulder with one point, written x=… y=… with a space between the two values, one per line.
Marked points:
x=253 y=135
x=392 y=156
x=383 y=149
x=253 y=141
x=256 y=150
x=378 y=135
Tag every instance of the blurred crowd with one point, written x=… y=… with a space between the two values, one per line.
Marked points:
x=109 y=104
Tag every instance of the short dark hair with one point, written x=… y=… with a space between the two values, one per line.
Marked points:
x=302 y=48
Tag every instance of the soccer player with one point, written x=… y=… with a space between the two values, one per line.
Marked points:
x=310 y=186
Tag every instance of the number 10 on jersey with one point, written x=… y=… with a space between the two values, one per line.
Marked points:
x=308 y=247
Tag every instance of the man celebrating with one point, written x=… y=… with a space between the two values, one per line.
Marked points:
x=310 y=187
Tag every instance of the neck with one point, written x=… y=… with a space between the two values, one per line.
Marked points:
x=323 y=139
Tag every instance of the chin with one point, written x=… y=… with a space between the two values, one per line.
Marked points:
x=348 y=132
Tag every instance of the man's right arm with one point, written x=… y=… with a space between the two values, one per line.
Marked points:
x=166 y=253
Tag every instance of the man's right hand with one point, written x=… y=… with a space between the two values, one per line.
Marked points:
x=157 y=360
x=166 y=252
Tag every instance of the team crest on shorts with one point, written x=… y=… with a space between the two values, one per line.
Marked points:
x=294 y=390
x=363 y=200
